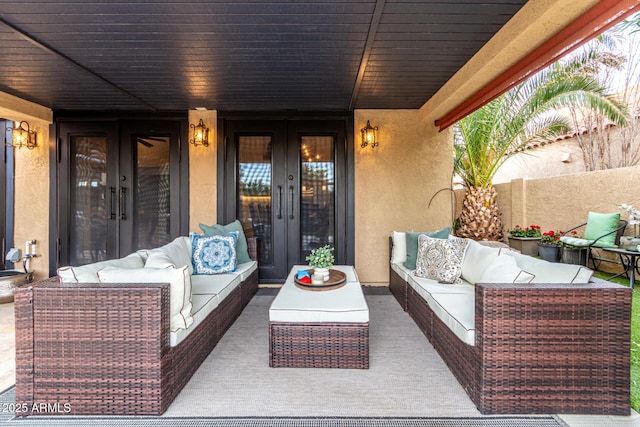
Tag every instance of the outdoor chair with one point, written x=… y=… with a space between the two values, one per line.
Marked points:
x=601 y=231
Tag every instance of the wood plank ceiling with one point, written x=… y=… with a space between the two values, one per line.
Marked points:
x=161 y=55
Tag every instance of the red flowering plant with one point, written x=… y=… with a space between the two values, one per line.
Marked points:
x=530 y=231
x=551 y=237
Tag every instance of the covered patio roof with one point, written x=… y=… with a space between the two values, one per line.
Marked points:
x=227 y=55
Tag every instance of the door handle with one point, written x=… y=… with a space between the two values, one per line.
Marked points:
x=123 y=203
x=291 y=194
x=279 y=201
x=112 y=200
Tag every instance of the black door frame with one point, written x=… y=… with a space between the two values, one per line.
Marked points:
x=228 y=214
x=59 y=192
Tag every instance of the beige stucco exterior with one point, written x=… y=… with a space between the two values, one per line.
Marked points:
x=394 y=183
x=203 y=173
x=562 y=202
x=31 y=181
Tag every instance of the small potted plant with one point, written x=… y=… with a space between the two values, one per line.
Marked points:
x=549 y=246
x=526 y=239
x=631 y=242
x=321 y=260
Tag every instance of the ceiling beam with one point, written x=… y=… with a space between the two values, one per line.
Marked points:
x=595 y=21
x=373 y=29
x=41 y=45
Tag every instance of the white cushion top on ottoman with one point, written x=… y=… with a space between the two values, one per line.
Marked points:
x=343 y=305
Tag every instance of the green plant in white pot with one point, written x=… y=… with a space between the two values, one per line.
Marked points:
x=321 y=259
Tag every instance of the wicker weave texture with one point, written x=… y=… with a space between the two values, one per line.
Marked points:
x=91 y=355
x=570 y=353
x=104 y=349
x=319 y=345
x=398 y=288
x=540 y=348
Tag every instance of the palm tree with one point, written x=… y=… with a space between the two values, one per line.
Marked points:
x=529 y=112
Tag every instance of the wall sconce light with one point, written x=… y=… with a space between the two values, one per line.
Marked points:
x=200 y=134
x=23 y=136
x=369 y=136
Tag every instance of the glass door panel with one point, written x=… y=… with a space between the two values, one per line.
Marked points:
x=317 y=189
x=287 y=185
x=151 y=213
x=254 y=192
x=119 y=188
x=92 y=203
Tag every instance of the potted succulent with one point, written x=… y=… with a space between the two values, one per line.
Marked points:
x=549 y=246
x=321 y=260
x=526 y=239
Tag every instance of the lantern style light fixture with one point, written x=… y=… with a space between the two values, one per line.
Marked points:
x=369 y=136
x=200 y=134
x=23 y=136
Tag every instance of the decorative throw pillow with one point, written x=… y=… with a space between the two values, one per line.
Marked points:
x=600 y=224
x=242 y=250
x=440 y=259
x=180 y=291
x=214 y=254
x=504 y=269
x=412 y=244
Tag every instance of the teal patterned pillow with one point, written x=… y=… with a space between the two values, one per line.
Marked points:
x=214 y=254
x=217 y=230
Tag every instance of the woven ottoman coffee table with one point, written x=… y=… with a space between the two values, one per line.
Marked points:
x=319 y=329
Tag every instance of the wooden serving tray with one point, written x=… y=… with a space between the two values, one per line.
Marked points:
x=337 y=279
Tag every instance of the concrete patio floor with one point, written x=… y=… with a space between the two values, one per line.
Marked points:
x=8 y=377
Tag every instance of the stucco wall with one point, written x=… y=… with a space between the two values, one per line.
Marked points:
x=394 y=183
x=562 y=202
x=203 y=173
x=31 y=181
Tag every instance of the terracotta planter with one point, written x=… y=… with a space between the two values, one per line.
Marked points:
x=548 y=252
x=526 y=245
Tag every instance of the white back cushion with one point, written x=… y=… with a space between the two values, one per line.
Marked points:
x=476 y=259
x=176 y=253
x=399 y=252
x=504 y=269
x=89 y=273
x=552 y=272
x=178 y=278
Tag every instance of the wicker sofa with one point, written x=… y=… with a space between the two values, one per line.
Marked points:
x=111 y=348
x=525 y=348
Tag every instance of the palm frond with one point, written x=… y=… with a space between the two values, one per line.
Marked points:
x=528 y=113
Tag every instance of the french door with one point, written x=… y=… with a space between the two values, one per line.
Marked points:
x=287 y=182
x=118 y=188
